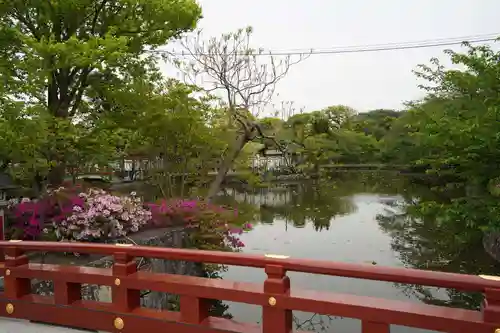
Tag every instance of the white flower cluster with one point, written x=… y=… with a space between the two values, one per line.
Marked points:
x=103 y=215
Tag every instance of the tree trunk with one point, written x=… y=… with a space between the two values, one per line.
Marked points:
x=56 y=175
x=226 y=164
x=59 y=109
x=38 y=184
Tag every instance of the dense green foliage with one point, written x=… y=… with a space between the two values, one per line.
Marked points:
x=451 y=134
x=80 y=87
x=58 y=61
x=456 y=134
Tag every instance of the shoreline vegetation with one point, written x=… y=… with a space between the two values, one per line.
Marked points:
x=75 y=96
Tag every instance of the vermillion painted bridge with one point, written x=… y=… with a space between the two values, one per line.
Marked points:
x=277 y=299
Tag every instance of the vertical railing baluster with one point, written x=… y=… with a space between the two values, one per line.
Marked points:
x=193 y=309
x=66 y=293
x=491 y=306
x=374 y=327
x=124 y=299
x=274 y=319
x=15 y=287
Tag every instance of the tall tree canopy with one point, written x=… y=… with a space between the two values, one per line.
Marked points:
x=229 y=66
x=454 y=132
x=52 y=51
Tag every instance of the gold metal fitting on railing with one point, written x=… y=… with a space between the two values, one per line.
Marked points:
x=276 y=256
x=497 y=330
x=492 y=278
x=7 y=272
x=117 y=282
x=9 y=308
x=272 y=301
x=15 y=240
x=119 y=323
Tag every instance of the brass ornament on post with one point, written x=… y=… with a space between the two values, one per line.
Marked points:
x=272 y=301
x=119 y=323
x=9 y=308
x=117 y=282
x=7 y=272
x=497 y=330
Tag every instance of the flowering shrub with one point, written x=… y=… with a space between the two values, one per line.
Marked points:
x=102 y=215
x=213 y=227
x=68 y=214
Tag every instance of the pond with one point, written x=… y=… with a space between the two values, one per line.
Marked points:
x=363 y=217
x=357 y=218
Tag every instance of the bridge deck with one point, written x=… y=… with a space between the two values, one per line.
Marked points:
x=24 y=326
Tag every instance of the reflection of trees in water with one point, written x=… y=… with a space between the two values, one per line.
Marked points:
x=220 y=309
x=316 y=323
x=455 y=298
x=317 y=203
x=420 y=241
x=297 y=203
x=423 y=242
x=324 y=199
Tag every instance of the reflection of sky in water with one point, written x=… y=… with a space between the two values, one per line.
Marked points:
x=354 y=237
x=354 y=234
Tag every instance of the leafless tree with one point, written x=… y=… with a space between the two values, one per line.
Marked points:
x=245 y=77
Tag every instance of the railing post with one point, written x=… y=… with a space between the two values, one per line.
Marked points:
x=491 y=306
x=66 y=293
x=374 y=327
x=124 y=299
x=194 y=309
x=276 y=320
x=2 y=234
x=15 y=287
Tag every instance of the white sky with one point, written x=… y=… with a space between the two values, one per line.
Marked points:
x=364 y=81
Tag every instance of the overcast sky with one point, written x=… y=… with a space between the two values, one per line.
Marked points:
x=364 y=81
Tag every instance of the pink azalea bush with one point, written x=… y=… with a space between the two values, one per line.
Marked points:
x=102 y=216
x=69 y=214
x=75 y=214
x=213 y=227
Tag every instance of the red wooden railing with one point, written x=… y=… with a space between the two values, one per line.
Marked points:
x=124 y=313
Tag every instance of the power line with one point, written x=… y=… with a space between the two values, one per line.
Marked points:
x=460 y=39
x=363 y=49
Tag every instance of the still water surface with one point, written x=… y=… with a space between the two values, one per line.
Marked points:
x=358 y=219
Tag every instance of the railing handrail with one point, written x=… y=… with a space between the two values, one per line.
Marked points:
x=275 y=295
x=457 y=281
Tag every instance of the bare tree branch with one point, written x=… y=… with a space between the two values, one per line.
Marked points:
x=246 y=80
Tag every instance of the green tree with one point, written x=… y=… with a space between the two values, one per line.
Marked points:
x=400 y=144
x=51 y=50
x=326 y=136
x=457 y=132
x=377 y=122
x=246 y=84
x=460 y=115
x=177 y=132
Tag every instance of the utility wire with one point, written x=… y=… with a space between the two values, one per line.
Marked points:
x=460 y=39
x=361 y=49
